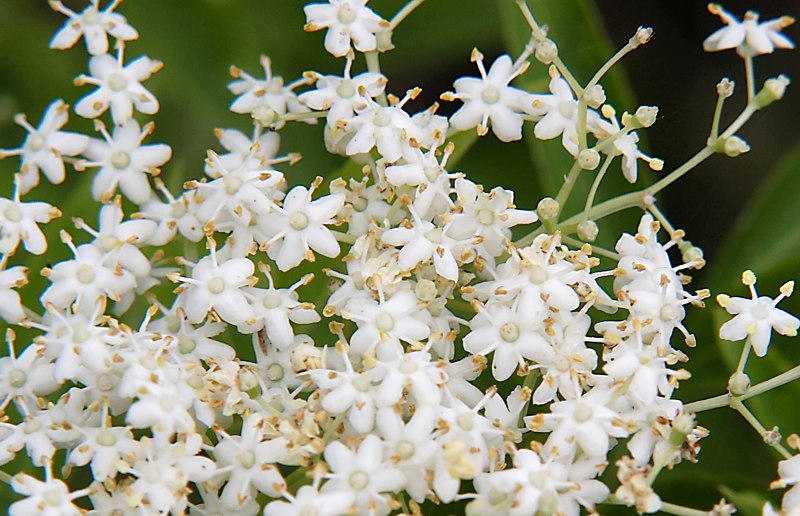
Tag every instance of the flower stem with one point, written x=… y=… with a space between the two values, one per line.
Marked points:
x=723 y=400
x=750 y=77
x=404 y=12
x=596 y=185
x=738 y=406
x=374 y=66
x=569 y=184
x=680 y=510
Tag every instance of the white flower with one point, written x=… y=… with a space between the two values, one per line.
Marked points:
x=267 y=100
x=755 y=318
x=490 y=100
x=342 y=95
x=11 y=309
x=45 y=147
x=748 y=37
x=218 y=287
x=299 y=226
x=94 y=25
x=252 y=459
x=103 y=447
x=87 y=280
x=347 y=21
x=362 y=472
x=19 y=223
x=124 y=162
x=624 y=143
x=309 y=500
x=49 y=498
x=388 y=129
x=560 y=115
x=789 y=473
x=119 y=87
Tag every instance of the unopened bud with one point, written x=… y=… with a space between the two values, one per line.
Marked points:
x=548 y=209
x=588 y=159
x=595 y=96
x=773 y=90
x=384 y=40
x=642 y=36
x=425 y=290
x=248 y=380
x=646 y=115
x=304 y=355
x=738 y=384
x=588 y=230
x=683 y=424
x=545 y=51
x=725 y=88
x=690 y=253
x=734 y=146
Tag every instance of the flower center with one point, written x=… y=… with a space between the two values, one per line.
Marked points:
x=186 y=345
x=91 y=16
x=583 y=412
x=247 y=459
x=178 y=210
x=85 y=274
x=117 y=81
x=359 y=480
x=232 y=184
x=761 y=311
x=490 y=94
x=384 y=322
x=346 y=14
x=54 y=497
x=275 y=372
x=466 y=421
x=271 y=299
x=562 y=363
x=405 y=449
x=216 y=285
x=12 y=213
x=107 y=242
x=360 y=204
x=17 y=378
x=80 y=334
x=434 y=235
x=346 y=89
x=120 y=159
x=362 y=383
x=106 y=382
x=36 y=142
x=668 y=313
x=538 y=275
x=538 y=479
x=486 y=217
x=298 y=220
x=431 y=173
x=509 y=332
x=382 y=119
x=106 y=438
x=408 y=367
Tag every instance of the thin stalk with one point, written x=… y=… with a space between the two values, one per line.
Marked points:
x=743 y=357
x=404 y=12
x=738 y=406
x=596 y=184
x=539 y=35
x=344 y=238
x=715 y=121
x=569 y=184
x=750 y=77
x=723 y=400
x=680 y=510
x=595 y=249
x=374 y=66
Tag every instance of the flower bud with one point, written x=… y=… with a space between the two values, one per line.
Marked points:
x=738 y=384
x=646 y=115
x=248 y=380
x=384 y=40
x=642 y=36
x=545 y=51
x=725 y=88
x=588 y=159
x=773 y=90
x=588 y=230
x=425 y=290
x=548 y=208
x=734 y=146
x=595 y=96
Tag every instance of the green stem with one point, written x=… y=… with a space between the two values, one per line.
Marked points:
x=575 y=243
x=750 y=78
x=404 y=12
x=717 y=116
x=569 y=184
x=345 y=238
x=743 y=357
x=539 y=35
x=596 y=185
x=679 y=172
x=680 y=510
x=5 y=477
x=738 y=406
x=374 y=66
x=723 y=400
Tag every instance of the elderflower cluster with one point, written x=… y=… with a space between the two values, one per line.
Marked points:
x=447 y=361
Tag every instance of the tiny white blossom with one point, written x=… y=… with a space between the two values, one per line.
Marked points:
x=118 y=86
x=51 y=497
x=347 y=21
x=45 y=147
x=94 y=25
x=19 y=223
x=755 y=318
x=749 y=37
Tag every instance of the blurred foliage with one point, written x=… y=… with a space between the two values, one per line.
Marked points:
x=198 y=40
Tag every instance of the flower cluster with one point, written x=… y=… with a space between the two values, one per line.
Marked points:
x=228 y=395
